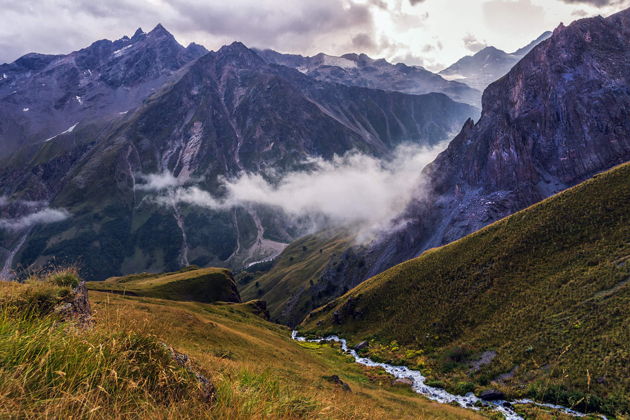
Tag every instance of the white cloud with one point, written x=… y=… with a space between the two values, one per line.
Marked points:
x=351 y=190
x=43 y=216
x=158 y=182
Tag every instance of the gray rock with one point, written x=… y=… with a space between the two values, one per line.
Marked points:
x=337 y=381
x=403 y=382
x=362 y=345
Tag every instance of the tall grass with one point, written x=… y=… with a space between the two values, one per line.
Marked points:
x=50 y=369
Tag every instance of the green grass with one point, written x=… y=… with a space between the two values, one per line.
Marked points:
x=292 y=287
x=547 y=289
x=194 y=284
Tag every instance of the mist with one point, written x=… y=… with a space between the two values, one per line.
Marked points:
x=43 y=216
x=354 y=189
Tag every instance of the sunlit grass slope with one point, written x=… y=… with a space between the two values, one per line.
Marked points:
x=293 y=286
x=122 y=366
x=193 y=283
x=545 y=294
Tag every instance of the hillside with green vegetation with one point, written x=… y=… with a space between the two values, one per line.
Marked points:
x=143 y=357
x=294 y=286
x=534 y=305
x=193 y=283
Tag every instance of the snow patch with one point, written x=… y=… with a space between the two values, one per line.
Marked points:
x=344 y=63
x=68 y=131
x=451 y=77
x=121 y=51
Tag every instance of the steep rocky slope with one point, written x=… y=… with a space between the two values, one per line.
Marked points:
x=488 y=65
x=540 y=298
x=557 y=118
x=228 y=112
x=361 y=70
x=44 y=95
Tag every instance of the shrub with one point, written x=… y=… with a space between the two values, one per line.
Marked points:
x=66 y=277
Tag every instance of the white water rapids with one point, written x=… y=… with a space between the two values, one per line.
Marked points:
x=437 y=394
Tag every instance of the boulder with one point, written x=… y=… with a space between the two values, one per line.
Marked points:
x=337 y=381
x=76 y=307
x=403 y=382
x=362 y=345
x=492 y=395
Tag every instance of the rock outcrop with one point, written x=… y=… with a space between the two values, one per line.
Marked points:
x=76 y=307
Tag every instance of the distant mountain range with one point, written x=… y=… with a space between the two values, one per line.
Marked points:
x=361 y=70
x=146 y=106
x=488 y=65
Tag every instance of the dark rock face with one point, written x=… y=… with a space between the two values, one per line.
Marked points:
x=44 y=95
x=488 y=65
x=225 y=113
x=363 y=71
x=558 y=118
x=492 y=395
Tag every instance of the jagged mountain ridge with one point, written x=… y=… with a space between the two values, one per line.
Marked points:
x=44 y=95
x=363 y=71
x=558 y=117
x=227 y=112
x=487 y=65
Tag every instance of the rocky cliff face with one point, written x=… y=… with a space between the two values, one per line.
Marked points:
x=44 y=95
x=559 y=117
x=225 y=113
x=361 y=70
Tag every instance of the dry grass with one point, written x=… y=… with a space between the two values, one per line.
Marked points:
x=122 y=369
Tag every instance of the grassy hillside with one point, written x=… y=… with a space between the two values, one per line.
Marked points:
x=293 y=286
x=123 y=366
x=194 y=284
x=536 y=304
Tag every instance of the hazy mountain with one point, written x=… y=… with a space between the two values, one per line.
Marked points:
x=361 y=70
x=488 y=65
x=225 y=113
x=44 y=95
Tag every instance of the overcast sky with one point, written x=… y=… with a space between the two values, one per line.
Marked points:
x=432 y=33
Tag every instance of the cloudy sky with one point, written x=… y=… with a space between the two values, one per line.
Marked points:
x=433 y=33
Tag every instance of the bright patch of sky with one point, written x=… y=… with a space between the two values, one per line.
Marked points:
x=433 y=33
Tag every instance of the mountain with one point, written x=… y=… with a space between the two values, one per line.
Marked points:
x=487 y=65
x=535 y=304
x=361 y=70
x=44 y=95
x=556 y=119
x=224 y=114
